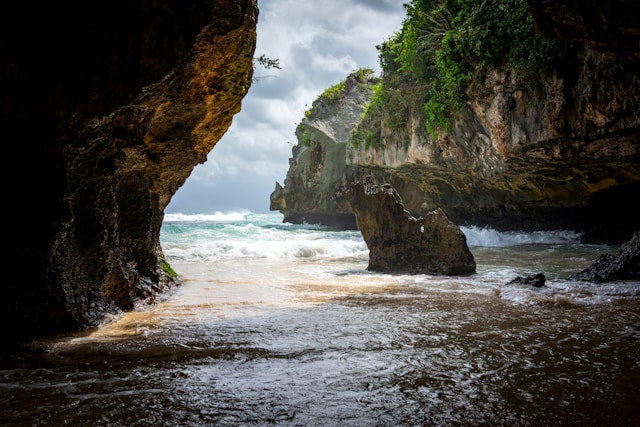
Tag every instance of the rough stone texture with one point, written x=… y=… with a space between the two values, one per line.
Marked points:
x=106 y=109
x=398 y=242
x=595 y=96
x=602 y=25
x=518 y=159
x=625 y=265
x=317 y=168
x=563 y=155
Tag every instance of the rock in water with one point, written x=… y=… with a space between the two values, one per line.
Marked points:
x=399 y=242
x=608 y=267
x=536 y=280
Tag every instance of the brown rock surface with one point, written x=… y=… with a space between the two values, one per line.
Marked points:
x=106 y=108
x=398 y=242
x=562 y=155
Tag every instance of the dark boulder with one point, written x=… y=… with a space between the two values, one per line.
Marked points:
x=625 y=265
x=399 y=242
x=536 y=280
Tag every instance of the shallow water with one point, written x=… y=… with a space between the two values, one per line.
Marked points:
x=309 y=338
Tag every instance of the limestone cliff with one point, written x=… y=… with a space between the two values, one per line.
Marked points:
x=317 y=169
x=106 y=109
x=515 y=159
x=563 y=152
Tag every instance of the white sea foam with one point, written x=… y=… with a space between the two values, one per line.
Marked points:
x=211 y=217
x=248 y=235
x=487 y=237
x=310 y=252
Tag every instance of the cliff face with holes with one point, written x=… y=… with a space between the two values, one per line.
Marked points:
x=566 y=155
x=105 y=112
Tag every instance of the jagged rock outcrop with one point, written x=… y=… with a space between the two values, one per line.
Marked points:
x=317 y=168
x=400 y=243
x=625 y=265
x=562 y=155
x=106 y=109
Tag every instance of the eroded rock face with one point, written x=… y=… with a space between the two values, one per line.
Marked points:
x=317 y=168
x=518 y=159
x=398 y=242
x=565 y=155
x=107 y=108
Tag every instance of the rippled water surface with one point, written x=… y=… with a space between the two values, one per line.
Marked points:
x=314 y=339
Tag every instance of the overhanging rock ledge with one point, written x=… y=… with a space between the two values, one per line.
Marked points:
x=107 y=108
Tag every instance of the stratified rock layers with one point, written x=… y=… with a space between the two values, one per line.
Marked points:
x=400 y=243
x=106 y=109
x=565 y=155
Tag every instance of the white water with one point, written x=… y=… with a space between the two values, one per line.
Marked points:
x=278 y=324
x=238 y=243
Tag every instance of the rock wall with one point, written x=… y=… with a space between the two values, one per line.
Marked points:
x=597 y=96
x=521 y=159
x=106 y=109
x=564 y=154
x=317 y=168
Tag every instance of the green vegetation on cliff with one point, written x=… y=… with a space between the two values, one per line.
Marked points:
x=443 y=46
x=331 y=95
x=166 y=267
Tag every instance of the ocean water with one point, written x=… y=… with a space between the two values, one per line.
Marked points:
x=241 y=243
x=280 y=324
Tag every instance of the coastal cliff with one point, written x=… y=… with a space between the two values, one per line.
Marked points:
x=551 y=142
x=106 y=109
x=317 y=169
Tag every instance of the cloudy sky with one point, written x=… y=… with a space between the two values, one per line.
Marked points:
x=317 y=44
